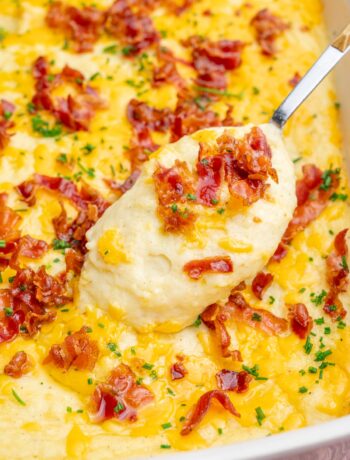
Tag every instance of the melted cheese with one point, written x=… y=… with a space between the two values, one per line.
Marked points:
x=44 y=426
x=154 y=280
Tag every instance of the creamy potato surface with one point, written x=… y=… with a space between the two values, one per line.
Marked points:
x=297 y=379
x=151 y=278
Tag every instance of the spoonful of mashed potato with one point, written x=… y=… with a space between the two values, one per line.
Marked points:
x=206 y=213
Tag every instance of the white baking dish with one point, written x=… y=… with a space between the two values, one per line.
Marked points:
x=281 y=446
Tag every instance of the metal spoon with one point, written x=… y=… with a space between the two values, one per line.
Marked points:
x=324 y=64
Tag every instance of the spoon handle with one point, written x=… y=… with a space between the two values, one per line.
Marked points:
x=325 y=63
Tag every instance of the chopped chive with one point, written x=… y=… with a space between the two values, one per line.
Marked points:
x=260 y=416
x=8 y=311
x=148 y=366
x=119 y=407
x=166 y=426
x=18 y=398
x=308 y=345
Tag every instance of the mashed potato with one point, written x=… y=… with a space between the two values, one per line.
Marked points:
x=44 y=414
x=135 y=269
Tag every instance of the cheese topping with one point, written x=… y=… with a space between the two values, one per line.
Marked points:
x=284 y=381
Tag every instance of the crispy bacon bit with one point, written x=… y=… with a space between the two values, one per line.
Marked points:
x=337 y=276
x=195 y=269
x=185 y=5
x=6 y=111
x=247 y=165
x=130 y=22
x=120 y=189
x=212 y=59
x=233 y=381
x=190 y=115
x=77 y=351
x=238 y=309
x=74 y=232
x=168 y=74
x=141 y=115
x=90 y=204
x=312 y=198
x=173 y=185
x=300 y=320
x=198 y=412
x=26 y=246
x=25 y=306
x=210 y=174
x=260 y=283
x=268 y=27
x=82 y=26
x=178 y=371
x=144 y=119
x=9 y=222
x=74 y=261
x=75 y=112
x=19 y=365
x=214 y=318
x=81 y=199
x=120 y=396
x=244 y=163
x=295 y=80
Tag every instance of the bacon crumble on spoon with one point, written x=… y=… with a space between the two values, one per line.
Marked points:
x=75 y=111
x=337 y=276
x=6 y=111
x=173 y=187
x=244 y=164
x=195 y=269
x=77 y=351
x=268 y=27
x=214 y=318
x=260 y=283
x=19 y=365
x=233 y=381
x=120 y=396
x=313 y=191
x=300 y=320
x=202 y=406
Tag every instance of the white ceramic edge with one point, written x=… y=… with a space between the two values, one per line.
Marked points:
x=337 y=15
x=271 y=447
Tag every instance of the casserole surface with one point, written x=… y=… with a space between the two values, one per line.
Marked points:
x=53 y=422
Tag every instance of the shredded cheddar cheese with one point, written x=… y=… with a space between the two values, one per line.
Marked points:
x=111 y=248
x=55 y=421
